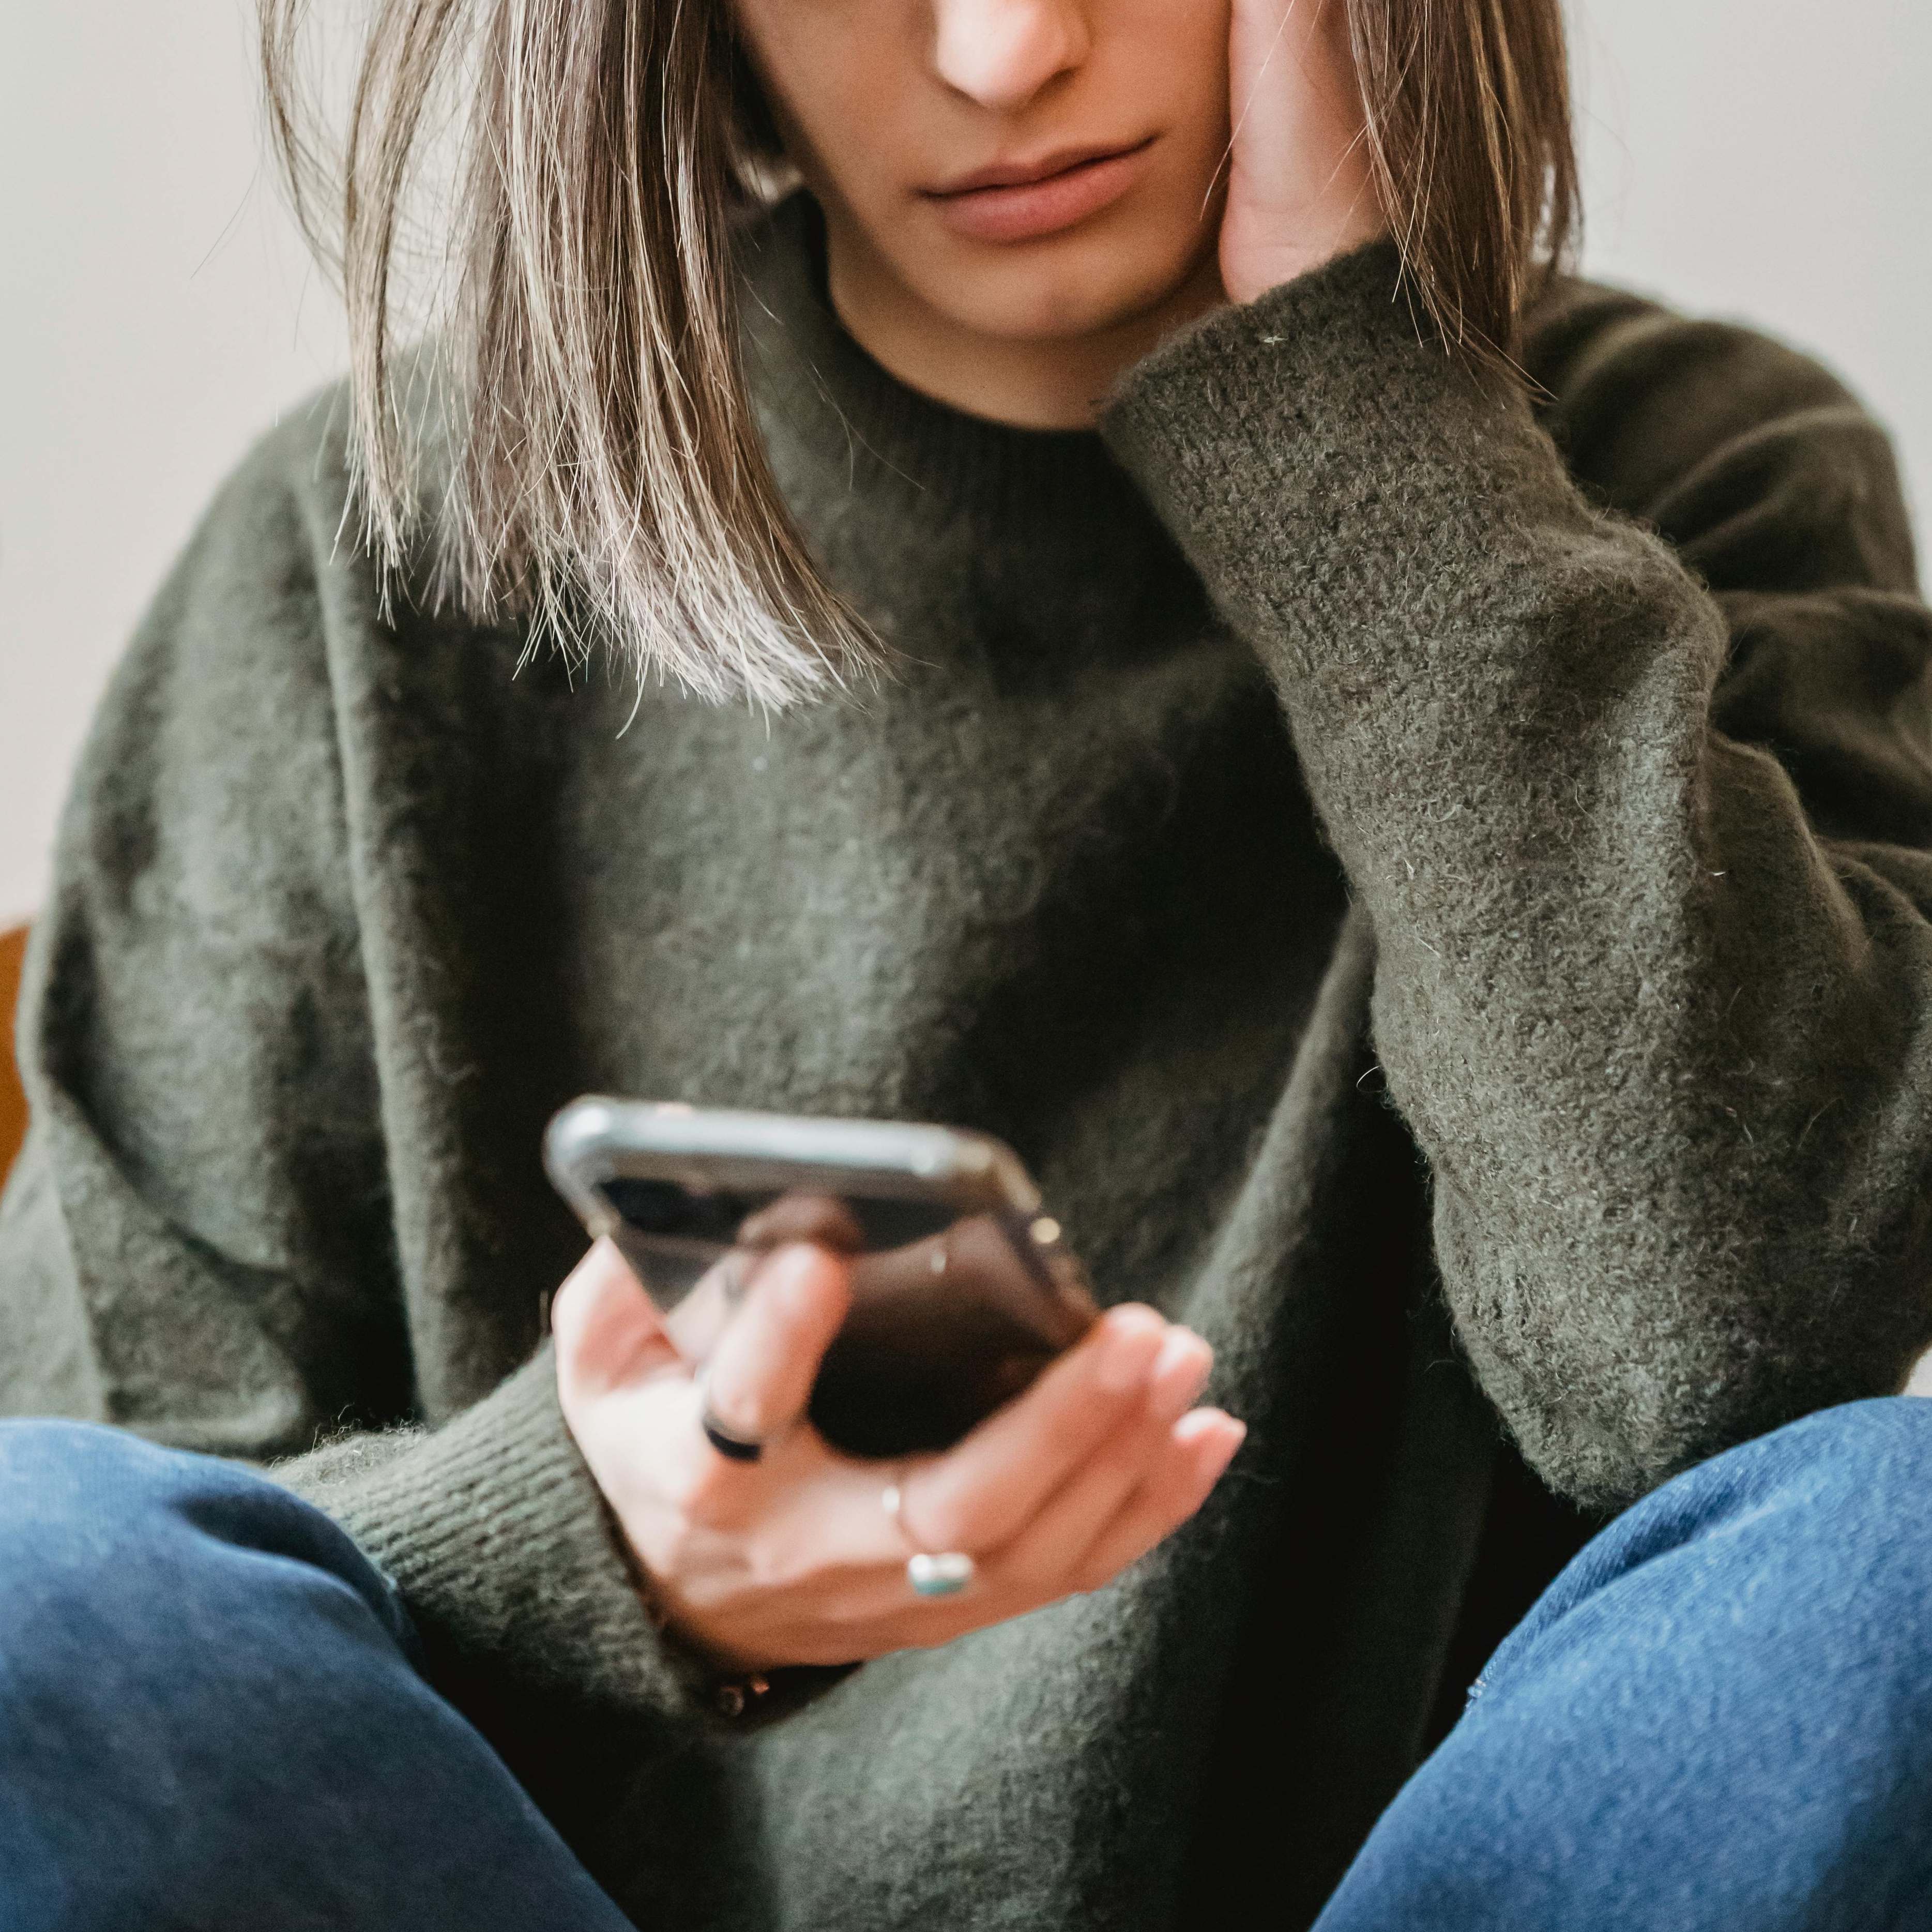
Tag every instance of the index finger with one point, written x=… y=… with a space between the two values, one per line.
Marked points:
x=759 y=1377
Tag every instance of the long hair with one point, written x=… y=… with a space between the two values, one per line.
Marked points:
x=598 y=473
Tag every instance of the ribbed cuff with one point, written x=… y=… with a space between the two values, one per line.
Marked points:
x=1325 y=460
x=1278 y=387
x=505 y=1552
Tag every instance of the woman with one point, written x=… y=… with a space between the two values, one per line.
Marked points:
x=1221 y=647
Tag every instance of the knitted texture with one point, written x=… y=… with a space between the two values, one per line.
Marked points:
x=1334 y=778
x=492 y=1528
x=1686 y=1128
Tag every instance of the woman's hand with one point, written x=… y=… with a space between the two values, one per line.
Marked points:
x=793 y=1558
x=1299 y=190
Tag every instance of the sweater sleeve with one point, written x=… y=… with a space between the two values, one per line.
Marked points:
x=1628 y=762
x=197 y=1244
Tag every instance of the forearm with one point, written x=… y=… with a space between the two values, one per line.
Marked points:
x=1665 y=1051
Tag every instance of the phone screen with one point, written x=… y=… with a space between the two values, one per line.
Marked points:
x=951 y=1314
x=673 y=1235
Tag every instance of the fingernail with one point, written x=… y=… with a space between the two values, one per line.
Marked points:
x=1180 y=1371
x=1127 y=1351
x=1238 y=1434
x=775 y=1270
x=790 y=1268
x=1202 y=1422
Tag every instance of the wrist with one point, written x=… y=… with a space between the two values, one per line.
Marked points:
x=733 y=1686
x=1251 y=271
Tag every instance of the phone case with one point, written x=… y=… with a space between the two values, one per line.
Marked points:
x=963 y=1288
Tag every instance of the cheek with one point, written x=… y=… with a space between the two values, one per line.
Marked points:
x=1184 y=67
x=834 y=76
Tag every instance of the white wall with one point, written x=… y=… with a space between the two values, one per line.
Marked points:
x=155 y=312
x=1767 y=158
x=1772 y=160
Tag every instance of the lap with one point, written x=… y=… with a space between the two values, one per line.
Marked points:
x=1719 y=1715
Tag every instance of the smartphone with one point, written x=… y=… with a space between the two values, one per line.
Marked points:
x=963 y=1288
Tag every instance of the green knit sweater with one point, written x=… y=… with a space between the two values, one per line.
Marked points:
x=1432 y=883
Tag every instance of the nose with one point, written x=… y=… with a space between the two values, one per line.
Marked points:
x=1001 y=53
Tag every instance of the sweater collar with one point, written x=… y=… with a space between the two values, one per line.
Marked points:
x=814 y=384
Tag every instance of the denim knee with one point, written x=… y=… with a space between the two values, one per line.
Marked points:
x=174 y=1630
x=1839 y=1503
x=211 y=1715
x=1719 y=1715
x=129 y=1574
x=73 y=1494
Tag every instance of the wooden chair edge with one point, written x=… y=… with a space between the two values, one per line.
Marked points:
x=13 y=1100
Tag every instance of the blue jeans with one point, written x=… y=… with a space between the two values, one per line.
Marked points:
x=1720 y=1716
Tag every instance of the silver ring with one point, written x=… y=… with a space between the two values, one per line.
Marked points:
x=944 y=1572
x=943 y=1575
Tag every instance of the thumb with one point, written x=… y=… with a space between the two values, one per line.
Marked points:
x=608 y=1330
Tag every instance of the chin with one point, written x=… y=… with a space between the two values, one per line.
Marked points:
x=1064 y=286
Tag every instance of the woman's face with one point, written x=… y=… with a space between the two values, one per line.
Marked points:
x=1105 y=121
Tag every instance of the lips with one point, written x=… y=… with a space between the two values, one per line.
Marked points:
x=1022 y=200
x=1024 y=174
